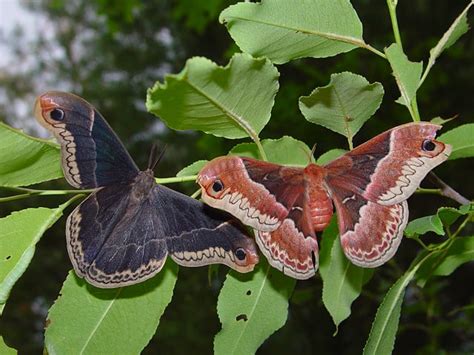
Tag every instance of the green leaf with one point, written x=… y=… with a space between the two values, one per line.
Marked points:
x=460 y=251
x=19 y=233
x=5 y=349
x=384 y=328
x=449 y=215
x=330 y=155
x=342 y=280
x=85 y=319
x=192 y=169
x=283 y=30
x=424 y=225
x=455 y=31
x=344 y=105
x=441 y=121
x=285 y=150
x=445 y=216
x=461 y=140
x=329 y=237
x=232 y=102
x=26 y=160
x=251 y=307
x=248 y=318
x=407 y=74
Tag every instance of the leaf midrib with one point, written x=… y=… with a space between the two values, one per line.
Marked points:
x=401 y=290
x=99 y=322
x=227 y=112
x=244 y=328
x=328 y=35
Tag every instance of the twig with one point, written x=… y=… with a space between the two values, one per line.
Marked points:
x=447 y=190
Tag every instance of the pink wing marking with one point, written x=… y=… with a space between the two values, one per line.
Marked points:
x=248 y=200
x=370 y=233
x=399 y=174
x=289 y=249
x=388 y=168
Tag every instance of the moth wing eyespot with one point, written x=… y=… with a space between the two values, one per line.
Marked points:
x=56 y=114
x=240 y=254
x=428 y=145
x=217 y=186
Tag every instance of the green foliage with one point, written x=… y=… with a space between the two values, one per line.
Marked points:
x=197 y=14
x=6 y=350
x=461 y=140
x=330 y=155
x=244 y=300
x=286 y=150
x=251 y=307
x=384 y=328
x=458 y=252
x=444 y=217
x=231 y=102
x=19 y=233
x=344 y=105
x=85 y=319
x=342 y=280
x=26 y=160
x=192 y=169
x=234 y=101
x=455 y=31
x=407 y=74
x=277 y=30
x=424 y=225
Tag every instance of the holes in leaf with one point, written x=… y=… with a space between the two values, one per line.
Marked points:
x=241 y=317
x=248 y=293
x=8 y=257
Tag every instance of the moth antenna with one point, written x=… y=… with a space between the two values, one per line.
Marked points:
x=154 y=157
x=310 y=155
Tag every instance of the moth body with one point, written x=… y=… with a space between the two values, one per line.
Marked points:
x=317 y=197
x=122 y=233
x=368 y=187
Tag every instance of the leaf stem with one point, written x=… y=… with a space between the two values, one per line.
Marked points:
x=30 y=192
x=263 y=155
x=196 y=194
x=14 y=197
x=171 y=180
x=416 y=112
x=373 y=50
x=462 y=225
x=392 y=9
x=46 y=192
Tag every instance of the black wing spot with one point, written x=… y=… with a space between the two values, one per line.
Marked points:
x=57 y=114
x=428 y=145
x=241 y=317
x=217 y=186
x=240 y=254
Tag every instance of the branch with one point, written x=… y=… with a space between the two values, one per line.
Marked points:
x=447 y=190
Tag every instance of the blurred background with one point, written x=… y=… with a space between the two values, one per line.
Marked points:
x=110 y=52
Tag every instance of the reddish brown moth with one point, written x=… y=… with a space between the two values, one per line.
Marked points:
x=369 y=187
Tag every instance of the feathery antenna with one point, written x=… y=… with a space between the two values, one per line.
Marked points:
x=154 y=157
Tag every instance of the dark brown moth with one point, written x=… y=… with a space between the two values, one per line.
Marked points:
x=368 y=186
x=122 y=233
